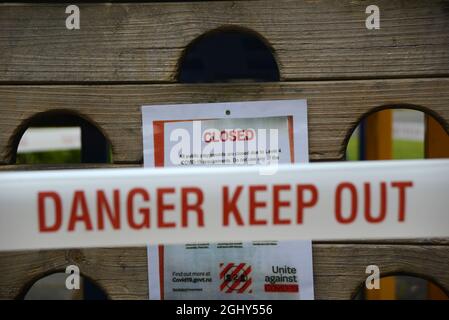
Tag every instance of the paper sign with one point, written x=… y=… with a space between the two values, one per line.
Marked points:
x=201 y=129
x=245 y=133
x=238 y=271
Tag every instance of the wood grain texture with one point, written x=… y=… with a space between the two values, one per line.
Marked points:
x=323 y=39
x=121 y=273
x=334 y=107
x=339 y=269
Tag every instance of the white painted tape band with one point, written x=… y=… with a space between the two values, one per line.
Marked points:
x=124 y=207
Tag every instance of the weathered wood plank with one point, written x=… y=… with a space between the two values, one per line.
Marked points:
x=335 y=107
x=323 y=39
x=339 y=269
x=121 y=273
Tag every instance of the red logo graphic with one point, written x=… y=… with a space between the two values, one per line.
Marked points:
x=235 y=278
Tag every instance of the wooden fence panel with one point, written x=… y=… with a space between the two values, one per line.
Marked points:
x=127 y=55
x=334 y=107
x=339 y=269
x=143 y=42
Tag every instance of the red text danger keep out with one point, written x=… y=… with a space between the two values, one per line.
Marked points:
x=241 y=205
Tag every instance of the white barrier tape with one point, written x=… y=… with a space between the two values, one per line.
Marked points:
x=123 y=207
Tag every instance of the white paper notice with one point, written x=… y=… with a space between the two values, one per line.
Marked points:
x=240 y=133
x=202 y=129
x=243 y=271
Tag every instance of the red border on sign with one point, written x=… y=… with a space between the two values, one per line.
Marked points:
x=161 y=269
x=158 y=138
